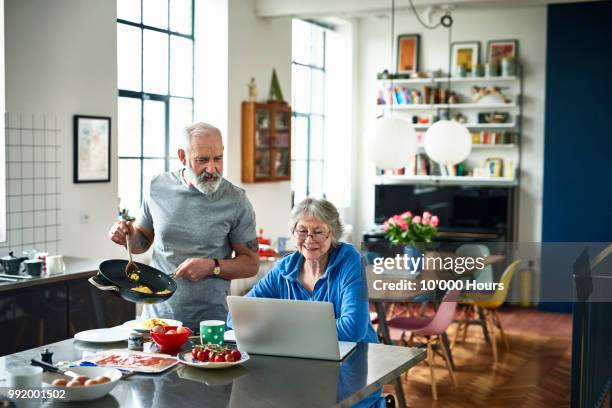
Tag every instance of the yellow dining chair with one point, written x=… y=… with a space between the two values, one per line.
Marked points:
x=488 y=303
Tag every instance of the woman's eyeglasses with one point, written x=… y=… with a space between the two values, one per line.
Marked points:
x=317 y=236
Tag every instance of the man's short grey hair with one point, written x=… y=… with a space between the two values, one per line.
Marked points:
x=321 y=209
x=198 y=129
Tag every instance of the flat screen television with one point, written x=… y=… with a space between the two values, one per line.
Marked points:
x=484 y=209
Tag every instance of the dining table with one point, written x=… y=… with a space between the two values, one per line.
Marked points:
x=261 y=381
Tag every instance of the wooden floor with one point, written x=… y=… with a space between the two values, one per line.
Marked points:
x=535 y=373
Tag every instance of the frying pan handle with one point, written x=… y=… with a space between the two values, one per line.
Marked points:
x=98 y=285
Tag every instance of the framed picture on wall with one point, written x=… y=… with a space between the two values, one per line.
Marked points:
x=464 y=54
x=408 y=53
x=498 y=49
x=91 y=149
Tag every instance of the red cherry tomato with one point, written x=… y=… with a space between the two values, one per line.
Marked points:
x=229 y=357
x=219 y=359
x=237 y=355
x=194 y=352
x=202 y=356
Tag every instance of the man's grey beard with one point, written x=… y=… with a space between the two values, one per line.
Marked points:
x=201 y=183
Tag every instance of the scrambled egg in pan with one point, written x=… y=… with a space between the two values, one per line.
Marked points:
x=147 y=290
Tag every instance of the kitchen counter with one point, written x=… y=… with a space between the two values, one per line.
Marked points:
x=76 y=268
x=46 y=309
x=263 y=381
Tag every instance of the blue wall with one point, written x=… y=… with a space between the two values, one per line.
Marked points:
x=577 y=197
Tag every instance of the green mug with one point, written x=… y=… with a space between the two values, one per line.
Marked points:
x=212 y=331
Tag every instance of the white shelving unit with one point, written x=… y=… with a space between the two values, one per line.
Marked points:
x=511 y=86
x=475 y=126
x=435 y=106
x=447 y=180
x=442 y=80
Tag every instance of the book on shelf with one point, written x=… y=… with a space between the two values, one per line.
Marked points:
x=421 y=165
x=488 y=137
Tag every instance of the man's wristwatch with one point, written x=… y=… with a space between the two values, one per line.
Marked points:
x=217 y=268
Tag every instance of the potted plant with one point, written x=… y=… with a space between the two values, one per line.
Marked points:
x=411 y=231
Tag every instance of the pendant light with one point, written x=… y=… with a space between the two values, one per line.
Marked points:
x=446 y=141
x=391 y=141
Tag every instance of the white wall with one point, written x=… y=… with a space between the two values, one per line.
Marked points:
x=61 y=60
x=528 y=25
x=256 y=46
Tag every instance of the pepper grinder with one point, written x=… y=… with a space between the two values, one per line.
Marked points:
x=47 y=356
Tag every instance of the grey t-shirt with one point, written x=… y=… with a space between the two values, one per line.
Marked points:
x=189 y=224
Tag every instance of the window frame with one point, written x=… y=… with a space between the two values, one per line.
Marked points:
x=165 y=98
x=309 y=115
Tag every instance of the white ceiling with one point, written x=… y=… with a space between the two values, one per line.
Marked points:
x=365 y=8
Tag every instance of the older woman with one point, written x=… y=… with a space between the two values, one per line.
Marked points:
x=322 y=269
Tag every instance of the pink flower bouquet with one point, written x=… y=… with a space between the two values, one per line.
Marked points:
x=408 y=229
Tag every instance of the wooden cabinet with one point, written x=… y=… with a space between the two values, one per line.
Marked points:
x=266 y=142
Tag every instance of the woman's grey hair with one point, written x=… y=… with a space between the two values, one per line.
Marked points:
x=197 y=129
x=318 y=208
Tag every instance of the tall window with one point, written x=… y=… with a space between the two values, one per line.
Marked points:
x=308 y=95
x=155 y=80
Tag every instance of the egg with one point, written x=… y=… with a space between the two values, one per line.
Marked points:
x=60 y=382
x=74 y=383
x=102 y=379
x=182 y=329
x=81 y=379
x=91 y=382
x=171 y=332
x=159 y=329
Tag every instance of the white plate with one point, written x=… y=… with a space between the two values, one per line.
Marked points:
x=91 y=392
x=138 y=324
x=111 y=335
x=186 y=358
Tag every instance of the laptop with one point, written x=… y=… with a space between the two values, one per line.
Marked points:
x=288 y=328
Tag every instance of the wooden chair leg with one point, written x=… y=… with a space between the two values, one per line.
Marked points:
x=491 y=325
x=391 y=311
x=459 y=328
x=501 y=329
x=430 y=361
x=469 y=310
x=402 y=340
x=422 y=308
x=445 y=352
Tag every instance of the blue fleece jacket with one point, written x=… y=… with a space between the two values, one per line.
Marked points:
x=343 y=284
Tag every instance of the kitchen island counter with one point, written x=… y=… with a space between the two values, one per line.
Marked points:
x=263 y=381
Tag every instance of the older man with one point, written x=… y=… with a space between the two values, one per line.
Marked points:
x=194 y=219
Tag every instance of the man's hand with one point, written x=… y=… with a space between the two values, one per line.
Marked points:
x=119 y=230
x=195 y=269
x=140 y=238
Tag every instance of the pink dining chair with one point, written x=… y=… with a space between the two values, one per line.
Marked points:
x=431 y=329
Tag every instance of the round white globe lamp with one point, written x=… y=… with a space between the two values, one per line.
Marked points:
x=448 y=142
x=391 y=143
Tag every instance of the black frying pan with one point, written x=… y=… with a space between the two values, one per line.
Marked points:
x=112 y=277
